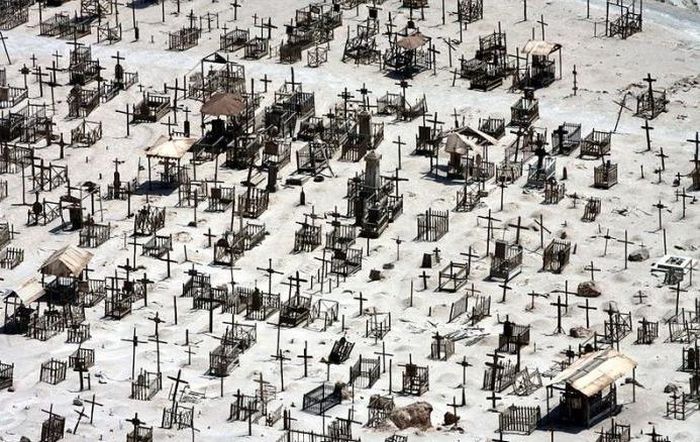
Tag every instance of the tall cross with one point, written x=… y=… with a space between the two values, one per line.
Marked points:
x=591 y=268
x=518 y=228
x=270 y=271
x=464 y=364
x=305 y=357
x=559 y=306
x=626 y=243
x=651 y=81
x=156 y=322
x=647 y=131
x=383 y=354
x=398 y=144
x=587 y=308
x=281 y=358
x=134 y=343
x=542 y=24
x=177 y=380
x=92 y=403
x=660 y=206
x=489 y=229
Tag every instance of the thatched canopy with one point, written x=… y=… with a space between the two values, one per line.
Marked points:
x=413 y=41
x=68 y=261
x=224 y=104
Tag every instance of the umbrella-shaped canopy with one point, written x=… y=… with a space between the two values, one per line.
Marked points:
x=413 y=41
x=170 y=148
x=224 y=104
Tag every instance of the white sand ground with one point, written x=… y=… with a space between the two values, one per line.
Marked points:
x=668 y=48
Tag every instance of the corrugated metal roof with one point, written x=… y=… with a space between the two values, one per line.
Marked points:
x=484 y=138
x=29 y=291
x=595 y=371
x=540 y=47
x=68 y=261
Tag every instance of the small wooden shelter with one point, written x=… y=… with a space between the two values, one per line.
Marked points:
x=588 y=387
x=170 y=153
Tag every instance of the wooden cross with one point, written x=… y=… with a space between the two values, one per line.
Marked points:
x=542 y=25
x=383 y=354
x=560 y=132
x=607 y=237
x=640 y=297
x=127 y=268
x=305 y=357
x=696 y=142
x=558 y=305
x=4 y=45
x=454 y=406
x=265 y=82
x=587 y=308
x=168 y=261
x=591 y=268
x=489 y=229
x=626 y=243
x=660 y=206
x=464 y=364
x=678 y=291
x=505 y=288
x=128 y=114
x=364 y=92
x=424 y=276
x=189 y=354
x=92 y=403
x=361 y=299
x=651 y=81
x=235 y=6
x=295 y=281
x=575 y=74
x=347 y=97
x=134 y=343
x=156 y=321
x=494 y=365
x=399 y=143
x=647 y=130
x=433 y=52
x=395 y=179
x=270 y=271
x=177 y=380
x=281 y=358
x=136 y=422
x=81 y=415
x=684 y=196
x=533 y=294
x=518 y=228
x=40 y=78
x=663 y=157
